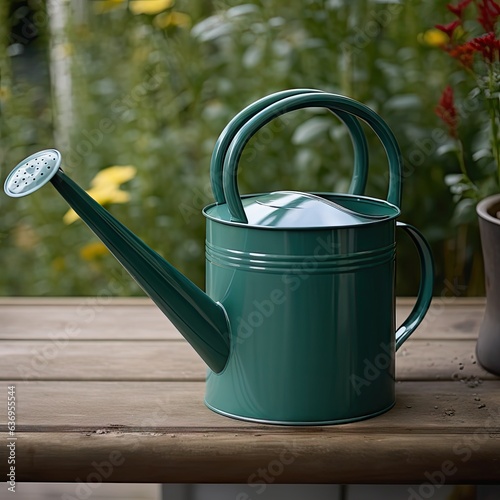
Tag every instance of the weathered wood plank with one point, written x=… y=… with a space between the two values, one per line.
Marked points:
x=177 y=407
x=138 y=318
x=446 y=320
x=163 y=433
x=255 y=459
x=94 y=360
x=439 y=360
x=74 y=301
x=82 y=320
x=176 y=360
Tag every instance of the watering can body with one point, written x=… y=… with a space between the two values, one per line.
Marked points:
x=310 y=309
x=297 y=325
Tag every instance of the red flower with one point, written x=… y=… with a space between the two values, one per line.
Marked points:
x=449 y=28
x=458 y=9
x=489 y=11
x=463 y=54
x=447 y=111
x=488 y=45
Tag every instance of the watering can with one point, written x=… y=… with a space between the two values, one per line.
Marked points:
x=297 y=325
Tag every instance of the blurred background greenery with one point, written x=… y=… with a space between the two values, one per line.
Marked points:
x=151 y=84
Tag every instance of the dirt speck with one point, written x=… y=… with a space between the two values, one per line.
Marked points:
x=473 y=381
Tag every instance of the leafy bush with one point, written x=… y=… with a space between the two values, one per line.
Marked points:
x=154 y=90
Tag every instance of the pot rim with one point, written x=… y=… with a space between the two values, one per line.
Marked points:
x=484 y=204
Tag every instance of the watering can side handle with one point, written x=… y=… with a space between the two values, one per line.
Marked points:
x=333 y=102
x=424 y=296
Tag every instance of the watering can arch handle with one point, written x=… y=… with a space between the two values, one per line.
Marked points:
x=360 y=174
x=333 y=102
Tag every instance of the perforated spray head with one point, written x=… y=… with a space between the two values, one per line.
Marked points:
x=32 y=173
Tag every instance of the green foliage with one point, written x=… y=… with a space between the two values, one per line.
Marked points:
x=155 y=95
x=470 y=108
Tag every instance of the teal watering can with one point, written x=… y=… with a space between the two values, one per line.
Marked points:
x=297 y=325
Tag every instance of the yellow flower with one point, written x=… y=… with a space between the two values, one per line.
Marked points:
x=108 y=194
x=433 y=38
x=101 y=6
x=115 y=175
x=106 y=188
x=166 y=19
x=93 y=250
x=149 y=6
x=70 y=216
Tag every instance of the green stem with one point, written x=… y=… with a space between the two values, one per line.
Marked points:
x=461 y=162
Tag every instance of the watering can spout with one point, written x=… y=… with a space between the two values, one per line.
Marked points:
x=201 y=320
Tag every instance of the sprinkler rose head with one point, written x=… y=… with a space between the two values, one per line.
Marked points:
x=32 y=173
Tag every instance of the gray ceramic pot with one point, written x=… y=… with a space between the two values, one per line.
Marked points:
x=488 y=344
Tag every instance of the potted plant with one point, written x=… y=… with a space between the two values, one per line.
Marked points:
x=473 y=97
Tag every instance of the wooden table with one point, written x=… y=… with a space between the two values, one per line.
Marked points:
x=107 y=390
